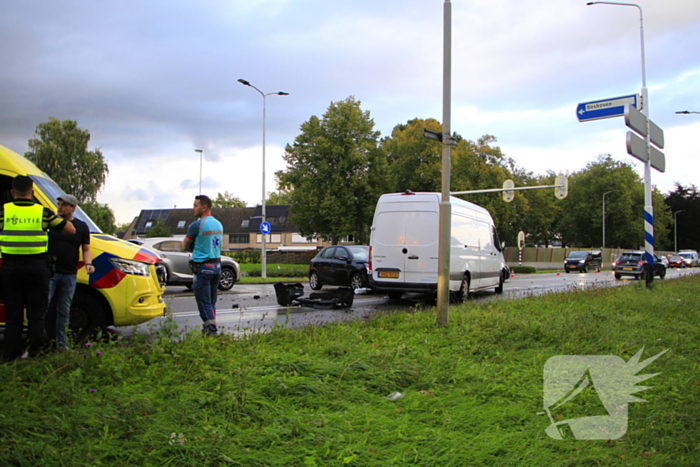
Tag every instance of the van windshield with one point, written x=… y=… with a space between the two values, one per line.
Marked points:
x=53 y=191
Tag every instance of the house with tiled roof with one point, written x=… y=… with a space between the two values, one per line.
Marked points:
x=241 y=227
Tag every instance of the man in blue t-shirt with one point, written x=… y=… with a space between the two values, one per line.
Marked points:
x=206 y=236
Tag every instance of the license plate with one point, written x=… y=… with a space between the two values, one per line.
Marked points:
x=389 y=274
x=628 y=269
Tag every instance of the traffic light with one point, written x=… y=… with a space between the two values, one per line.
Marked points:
x=562 y=187
x=508 y=195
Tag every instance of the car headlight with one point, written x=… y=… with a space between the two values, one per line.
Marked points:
x=128 y=266
x=582 y=261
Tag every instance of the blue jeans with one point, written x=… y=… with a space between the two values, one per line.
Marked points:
x=206 y=282
x=63 y=286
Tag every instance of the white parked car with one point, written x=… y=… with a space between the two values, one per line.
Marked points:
x=176 y=262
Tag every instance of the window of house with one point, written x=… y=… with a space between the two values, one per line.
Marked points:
x=239 y=238
x=181 y=224
x=149 y=224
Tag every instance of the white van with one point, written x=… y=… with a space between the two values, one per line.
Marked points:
x=404 y=247
x=690 y=258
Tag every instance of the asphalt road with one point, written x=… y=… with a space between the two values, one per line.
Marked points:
x=253 y=307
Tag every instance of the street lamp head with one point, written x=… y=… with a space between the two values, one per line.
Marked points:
x=242 y=81
x=282 y=93
x=683 y=112
x=198 y=150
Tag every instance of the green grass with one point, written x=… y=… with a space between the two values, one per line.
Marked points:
x=318 y=396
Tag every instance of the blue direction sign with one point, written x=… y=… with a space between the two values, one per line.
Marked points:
x=265 y=227
x=605 y=108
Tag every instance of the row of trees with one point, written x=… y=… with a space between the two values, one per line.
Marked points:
x=338 y=166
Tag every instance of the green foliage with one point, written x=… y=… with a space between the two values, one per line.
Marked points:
x=523 y=269
x=684 y=203
x=227 y=200
x=335 y=173
x=60 y=148
x=122 y=227
x=158 y=229
x=245 y=256
x=279 y=198
x=581 y=221
x=101 y=214
x=275 y=270
x=471 y=392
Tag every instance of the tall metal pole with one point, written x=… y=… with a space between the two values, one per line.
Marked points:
x=263 y=253
x=443 y=298
x=648 y=207
x=607 y=192
x=200 y=169
x=675 y=230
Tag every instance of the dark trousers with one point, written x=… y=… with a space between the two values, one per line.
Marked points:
x=25 y=284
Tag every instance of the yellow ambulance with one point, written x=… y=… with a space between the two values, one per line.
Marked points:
x=124 y=289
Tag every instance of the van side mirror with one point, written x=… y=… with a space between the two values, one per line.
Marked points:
x=503 y=246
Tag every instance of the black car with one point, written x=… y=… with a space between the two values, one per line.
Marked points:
x=340 y=265
x=583 y=261
x=632 y=264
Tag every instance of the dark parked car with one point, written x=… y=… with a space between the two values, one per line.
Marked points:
x=583 y=261
x=632 y=264
x=340 y=265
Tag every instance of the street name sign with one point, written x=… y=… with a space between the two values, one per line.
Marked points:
x=637 y=121
x=637 y=147
x=605 y=108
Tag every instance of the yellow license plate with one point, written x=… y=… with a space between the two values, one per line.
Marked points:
x=389 y=274
x=628 y=269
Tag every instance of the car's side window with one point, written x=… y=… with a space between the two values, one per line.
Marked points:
x=175 y=247
x=328 y=254
x=340 y=252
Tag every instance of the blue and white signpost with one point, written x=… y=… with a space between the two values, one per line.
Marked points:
x=605 y=108
x=265 y=228
x=644 y=152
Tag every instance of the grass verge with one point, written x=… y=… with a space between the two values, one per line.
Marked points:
x=319 y=396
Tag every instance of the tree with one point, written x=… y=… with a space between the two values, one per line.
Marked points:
x=686 y=199
x=581 y=221
x=279 y=198
x=60 y=148
x=335 y=173
x=158 y=229
x=227 y=200
x=101 y=214
x=416 y=165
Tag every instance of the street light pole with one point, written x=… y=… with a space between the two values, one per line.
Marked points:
x=675 y=230
x=263 y=255
x=200 y=169
x=607 y=192
x=648 y=207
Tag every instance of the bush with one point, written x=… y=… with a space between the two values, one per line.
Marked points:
x=523 y=269
x=245 y=256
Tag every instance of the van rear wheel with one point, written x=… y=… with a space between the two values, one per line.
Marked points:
x=463 y=293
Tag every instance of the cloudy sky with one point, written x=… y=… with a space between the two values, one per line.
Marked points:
x=154 y=80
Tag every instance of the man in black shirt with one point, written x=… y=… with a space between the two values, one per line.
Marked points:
x=64 y=250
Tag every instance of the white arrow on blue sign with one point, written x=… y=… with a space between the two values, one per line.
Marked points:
x=265 y=227
x=605 y=108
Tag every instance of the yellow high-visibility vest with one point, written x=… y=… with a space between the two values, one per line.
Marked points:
x=22 y=232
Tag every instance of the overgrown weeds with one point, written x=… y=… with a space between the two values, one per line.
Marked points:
x=319 y=396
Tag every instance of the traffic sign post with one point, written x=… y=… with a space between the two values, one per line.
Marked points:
x=605 y=108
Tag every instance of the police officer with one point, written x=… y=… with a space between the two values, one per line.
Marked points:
x=25 y=269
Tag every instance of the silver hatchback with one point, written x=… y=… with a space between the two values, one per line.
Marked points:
x=176 y=262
